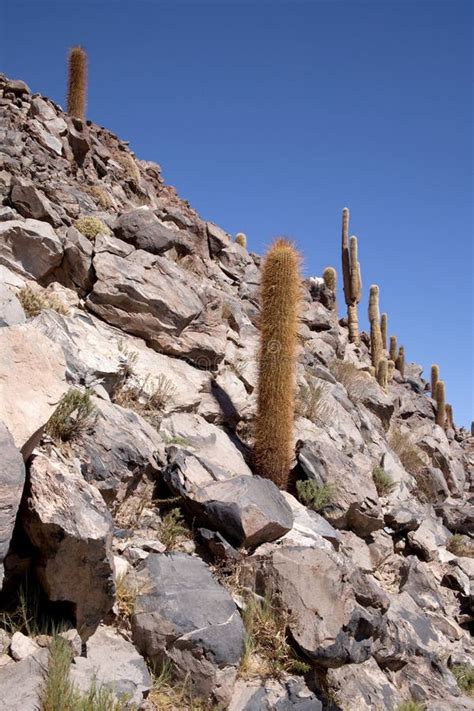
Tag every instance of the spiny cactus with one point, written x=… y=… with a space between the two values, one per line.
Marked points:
x=434 y=379
x=383 y=330
x=351 y=277
x=376 y=347
x=391 y=369
x=372 y=371
x=400 y=361
x=280 y=299
x=77 y=83
x=440 y=395
x=330 y=279
x=382 y=373
x=393 y=350
x=241 y=239
x=449 y=417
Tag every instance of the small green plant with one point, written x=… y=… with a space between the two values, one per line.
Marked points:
x=74 y=415
x=461 y=546
x=35 y=301
x=267 y=652
x=180 y=441
x=383 y=481
x=91 y=226
x=410 y=706
x=314 y=496
x=172 y=529
x=464 y=675
x=170 y=694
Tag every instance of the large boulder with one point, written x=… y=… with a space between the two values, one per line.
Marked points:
x=113 y=662
x=21 y=684
x=30 y=202
x=30 y=247
x=248 y=510
x=32 y=382
x=142 y=229
x=182 y=614
x=12 y=479
x=70 y=530
x=286 y=694
x=363 y=687
x=11 y=311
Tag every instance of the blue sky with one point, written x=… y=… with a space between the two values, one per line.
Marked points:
x=269 y=117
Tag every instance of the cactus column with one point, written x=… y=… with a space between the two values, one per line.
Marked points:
x=77 y=83
x=280 y=299
x=383 y=330
x=376 y=344
x=440 y=403
x=351 y=277
x=434 y=379
x=330 y=279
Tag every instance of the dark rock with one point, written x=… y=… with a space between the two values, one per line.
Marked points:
x=143 y=230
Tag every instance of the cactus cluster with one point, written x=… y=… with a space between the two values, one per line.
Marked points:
x=280 y=298
x=351 y=277
x=77 y=83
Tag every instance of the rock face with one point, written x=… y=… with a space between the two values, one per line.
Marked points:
x=12 y=479
x=151 y=515
x=70 y=530
x=185 y=616
x=28 y=399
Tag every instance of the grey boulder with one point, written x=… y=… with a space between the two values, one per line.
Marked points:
x=12 y=479
x=30 y=247
x=11 y=311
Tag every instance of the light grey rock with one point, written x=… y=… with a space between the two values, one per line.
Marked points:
x=112 y=662
x=21 y=684
x=17 y=86
x=363 y=687
x=22 y=646
x=309 y=528
x=76 y=268
x=31 y=203
x=287 y=694
x=32 y=382
x=428 y=538
x=31 y=247
x=184 y=615
x=11 y=311
x=218 y=239
x=70 y=530
x=12 y=479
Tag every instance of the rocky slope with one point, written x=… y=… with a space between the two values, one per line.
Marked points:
x=134 y=514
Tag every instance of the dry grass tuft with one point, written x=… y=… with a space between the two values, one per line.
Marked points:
x=128 y=165
x=73 y=416
x=91 y=226
x=312 y=402
x=173 y=529
x=169 y=694
x=99 y=195
x=410 y=455
x=35 y=301
x=148 y=399
x=461 y=546
x=383 y=481
x=464 y=675
x=352 y=378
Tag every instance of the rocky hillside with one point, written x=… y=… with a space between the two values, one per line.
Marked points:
x=145 y=565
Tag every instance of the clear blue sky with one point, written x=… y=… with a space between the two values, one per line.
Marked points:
x=269 y=117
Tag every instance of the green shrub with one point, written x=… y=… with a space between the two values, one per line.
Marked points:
x=410 y=706
x=73 y=416
x=464 y=675
x=172 y=528
x=383 y=481
x=90 y=227
x=314 y=496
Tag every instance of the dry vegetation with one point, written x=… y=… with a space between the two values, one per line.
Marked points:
x=35 y=301
x=74 y=415
x=461 y=546
x=99 y=195
x=352 y=378
x=383 y=481
x=313 y=403
x=128 y=165
x=169 y=694
x=410 y=455
x=90 y=227
x=315 y=496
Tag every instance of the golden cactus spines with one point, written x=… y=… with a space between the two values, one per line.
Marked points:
x=382 y=373
x=241 y=238
x=374 y=313
x=383 y=330
x=393 y=350
x=434 y=379
x=330 y=278
x=280 y=295
x=400 y=361
x=440 y=394
x=449 y=417
x=77 y=83
x=376 y=346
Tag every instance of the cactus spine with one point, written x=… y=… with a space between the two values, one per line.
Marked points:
x=400 y=361
x=77 y=83
x=383 y=330
x=393 y=348
x=449 y=417
x=351 y=277
x=330 y=279
x=280 y=298
x=440 y=403
x=434 y=379
x=376 y=345
x=241 y=239
x=382 y=373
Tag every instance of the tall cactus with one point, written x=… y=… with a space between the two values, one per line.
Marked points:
x=383 y=330
x=351 y=277
x=280 y=295
x=376 y=345
x=382 y=373
x=393 y=350
x=330 y=279
x=77 y=83
x=400 y=361
x=390 y=369
x=440 y=403
x=434 y=379
x=449 y=417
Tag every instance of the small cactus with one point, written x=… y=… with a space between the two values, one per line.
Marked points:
x=434 y=379
x=391 y=370
x=241 y=239
x=400 y=361
x=376 y=346
x=77 y=83
x=382 y=373
x=393 y=350
x=383 y=330
x=440 y=403
x=449 y=417
x=351 y=277
x=330 y=279
x=280 y=299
